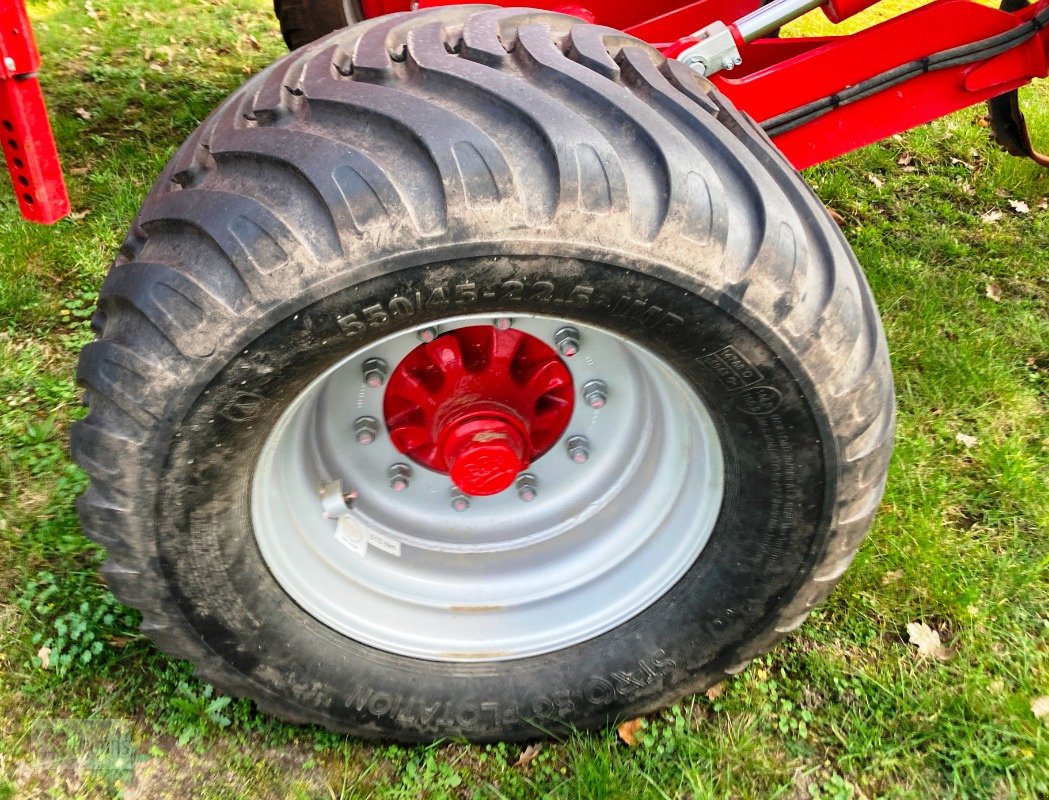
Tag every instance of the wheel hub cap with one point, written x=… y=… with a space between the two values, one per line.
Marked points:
x=479 y=404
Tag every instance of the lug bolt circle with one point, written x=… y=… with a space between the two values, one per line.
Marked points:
x=427 y=334
x=399 y=475
x=527 y=487
x=578 y=448
x=374 y=371
x=504 y=323
x=365 y=430
x=567 y=341
x=595 y=393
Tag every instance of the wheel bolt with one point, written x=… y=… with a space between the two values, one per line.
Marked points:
x=399 y=475
x=527 y=487
x=365 y=429
x=460 y=502
x=428 y=334
x=578 y=448
x=595 y=393
x=504 y=323
x=567 y=341
x=374 y=371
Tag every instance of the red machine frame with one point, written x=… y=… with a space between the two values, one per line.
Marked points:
x=27 y=142
x=817 y=97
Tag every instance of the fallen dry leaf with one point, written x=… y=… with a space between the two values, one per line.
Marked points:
x=44 y=654
x=890 y=577
x=878 y=182
x=1020 y=207
x=1044 y=204
x=1040 y=707
x=927 y=641
x=993 y=291
x=834 y=215
x=83 y=113
x=79 y=215
x=966 y=440
x=715 y=691
x=905 y=160
x=528 y=755
x=628 y=729
x=959 y=162
x=991 y=217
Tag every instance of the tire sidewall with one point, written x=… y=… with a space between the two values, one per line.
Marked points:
x=775 y=516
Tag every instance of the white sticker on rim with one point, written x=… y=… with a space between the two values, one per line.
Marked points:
x=350 y=532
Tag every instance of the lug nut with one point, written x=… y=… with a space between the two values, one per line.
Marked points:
x=578 y=448
x=366 y=429
x=595 y=393
x=399 y=475
x=527 y=487
x=567 y=341
x=428 y=334
x=374 y=371
x=503 y=323
x=460 y=502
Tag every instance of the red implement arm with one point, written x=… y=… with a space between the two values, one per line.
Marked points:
x=28 y=144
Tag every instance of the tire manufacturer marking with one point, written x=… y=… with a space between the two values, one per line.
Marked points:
x=731 y=367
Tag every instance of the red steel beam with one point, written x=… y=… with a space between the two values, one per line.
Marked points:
x=25 y=132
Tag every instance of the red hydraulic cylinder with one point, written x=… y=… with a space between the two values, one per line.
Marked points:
x=25 y=132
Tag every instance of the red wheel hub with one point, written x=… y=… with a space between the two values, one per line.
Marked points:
x=479 y=404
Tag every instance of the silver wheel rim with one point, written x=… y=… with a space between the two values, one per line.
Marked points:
x=411 y=572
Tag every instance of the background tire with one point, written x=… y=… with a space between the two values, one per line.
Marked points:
x=305 y=21
x=473 y=162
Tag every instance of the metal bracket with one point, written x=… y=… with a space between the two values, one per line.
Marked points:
x=716 y=50
x=350 y=530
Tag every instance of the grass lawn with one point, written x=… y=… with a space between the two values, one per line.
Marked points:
x=954 y=236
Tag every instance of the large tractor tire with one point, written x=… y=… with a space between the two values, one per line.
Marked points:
x=479 y=372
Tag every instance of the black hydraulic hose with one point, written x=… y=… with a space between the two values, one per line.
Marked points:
x=955 y=57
